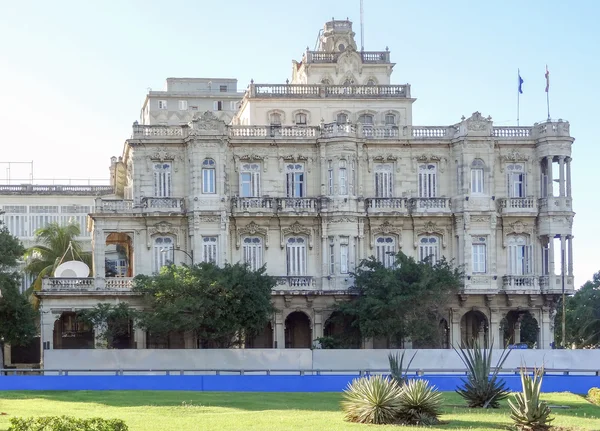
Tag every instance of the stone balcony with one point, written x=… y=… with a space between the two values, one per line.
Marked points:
x=367 y=57
x=429 y=206
x=553 y=284
x=520 y=283
x=268 y=205
x=147 y=205
x=386 y=205
x=324 y=91
x=518 y=206
x=169 y=205
x=556 y=204
x=69 y=190
x=298 y=205
x=254 y=205
x=295 y=282
x=88 y=284
x=274 y=131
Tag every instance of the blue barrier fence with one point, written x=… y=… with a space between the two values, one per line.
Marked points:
x=249 y=383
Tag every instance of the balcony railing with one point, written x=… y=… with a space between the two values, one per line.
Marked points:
x=296 y=282
x=556 y=203
x=429 y=132
x=312 y=91
x=254 y=204
x=429 y=205
x=370 y=57
x=118 y=283
x=68 y=284
x=519 y=282
x=113 y=206
x=163 y=204
x=299 y=204
x=554 y=284
x=143 y=131
x=518 y=205
x=512 y=132
x=39 y=189
x=273 y=131
x=375 y=205
x=339 y=129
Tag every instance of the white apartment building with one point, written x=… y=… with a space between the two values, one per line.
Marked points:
x=314 y=175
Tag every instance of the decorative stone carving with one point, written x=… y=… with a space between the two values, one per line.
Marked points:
x=477 y=122
x=426 y=158
x=480 y=219
x=386 y=228
x=252 y=229
x=250 y=157
x=163 y=228
x=516 y=227
x=206 y=123
x=429 y=228
x=342 y=220
x=297 y=229
x=209 y=219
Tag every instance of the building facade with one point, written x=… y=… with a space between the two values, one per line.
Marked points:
x=314 y=175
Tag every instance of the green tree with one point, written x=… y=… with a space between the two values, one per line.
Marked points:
x=406 y=301
x=52 y=244
x=112 y=323
x=218 y=305
x=582 y=316
x=17 y=317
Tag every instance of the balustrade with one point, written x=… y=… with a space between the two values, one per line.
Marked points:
x=428 y=204
x=160 y=203
x=519 y=282
x=273 y=131
x=76 y=190
x=514 y=205
x=118 y=283
x=113 y=205
x=64 y=283
x=334 y=91
x=512 y=132
x=299 y=204
x=424 y=132
x=368 y=57
x=386 y=204
x=140 y=131
x=249 y=204
x=296 y=282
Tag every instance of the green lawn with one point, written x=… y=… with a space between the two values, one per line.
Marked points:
x=165 y=411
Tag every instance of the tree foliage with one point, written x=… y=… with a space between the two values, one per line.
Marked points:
x=17 y=317
x=218 y=305
x=110 y=322
x=582 y=316
x=52 y=242
x=403 y=302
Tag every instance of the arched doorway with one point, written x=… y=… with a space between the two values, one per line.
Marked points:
x=520 y=327
x=474 y=327
x=118 y=253
x=262 y=340
x=339 y=333
x=298 y=334
x=72 y=333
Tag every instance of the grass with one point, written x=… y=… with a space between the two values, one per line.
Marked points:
x=181 y=411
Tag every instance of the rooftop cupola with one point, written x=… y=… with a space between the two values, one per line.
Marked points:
x=337 y=36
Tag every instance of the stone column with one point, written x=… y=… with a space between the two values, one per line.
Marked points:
x=494 y=331
x=455 y=339
x=570 y=255
x=517 y=337
x=317 y=329
x=563 y=252
x=561 y=177
x=139 y=337
x=367 y=343
x=279 y=331
x=568 y=160
x=47 y=329
x=189 y=340
x=550 y=180
x=551 y=256
x=481 y=334
x=546 y=335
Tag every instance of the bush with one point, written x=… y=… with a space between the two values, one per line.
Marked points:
x=66 y=423
x=372 y=400
x=420 y=403
x=482 y=389
x=397 y=370
x=529 y=413
x=594 y=396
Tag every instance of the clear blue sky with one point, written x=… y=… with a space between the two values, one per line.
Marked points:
x=74 y=73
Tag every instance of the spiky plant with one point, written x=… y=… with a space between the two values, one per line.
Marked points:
x=483 y=388
x=420 y=403
x=528 y=412
x=397 y=371
x=371 y=400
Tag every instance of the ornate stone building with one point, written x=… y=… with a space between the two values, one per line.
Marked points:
x=313 y=175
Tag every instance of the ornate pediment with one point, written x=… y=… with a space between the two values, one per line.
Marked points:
x=252 y=229
x=297 y=229
x=386 y=228
x=162 y=155
x=250 y=157
x=429 y=158
x=517 y=227
x=205 y=123
x=514 y=157
x=430 y=228
x=477 y=123
x=163 y=228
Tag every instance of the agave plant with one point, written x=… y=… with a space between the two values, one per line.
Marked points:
x=420 y=403
x=372 y=400
x=397 y=371
x=483 y=388
x=529 y=413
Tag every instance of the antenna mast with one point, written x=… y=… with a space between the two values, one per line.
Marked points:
x=362 y=28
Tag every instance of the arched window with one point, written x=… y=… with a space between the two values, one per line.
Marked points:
x=208 y=176
x=479 y=248
x=429 y=249
x=301 y=118
x=162 y=180
x=342 y=118
x=385 y=250
x=253 y=252
x=275 y=119
x=366 y=119
x=428 y=180
x=295 y=180
x=209 y=249
x=390 y=119
x=162 y=252
x=343 y=177
x=519 y=255
x=477 y=178
x=296 y=256
x=250 y=180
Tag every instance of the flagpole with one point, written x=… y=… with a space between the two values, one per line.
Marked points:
x=548 y=103
x=518 y=94
x=547 y=75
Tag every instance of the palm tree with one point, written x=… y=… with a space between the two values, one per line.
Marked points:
x=53 y=242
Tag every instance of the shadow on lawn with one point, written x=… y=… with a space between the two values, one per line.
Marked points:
x=251 y=401
x=467 y=425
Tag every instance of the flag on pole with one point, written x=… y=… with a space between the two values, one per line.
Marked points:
x=547 y=79
x=520 y=82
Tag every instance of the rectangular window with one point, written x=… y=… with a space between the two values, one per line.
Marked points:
x=384 y=181
x=352 y=176
x=429 y=250
x=209 y=249
x=385 y=251
x=479 y=255
x=516 y=180
x=183 y=105
x=343 y=178
x=208 y=176
x=545 y=259
x=331 y=256
x=218 y=105
x=253 y=252
x=296 y=256
x=295 y=181
x=344 y=257
x=233 y=106
x=162 y=253
x=250 y=180
x=519 y=259
x=477 y=181
x=330 y=178
x=162 y=104
x=162 y=180
x=223 y=88
x=428 y=180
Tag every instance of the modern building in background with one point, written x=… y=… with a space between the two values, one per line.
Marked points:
x=313 y=175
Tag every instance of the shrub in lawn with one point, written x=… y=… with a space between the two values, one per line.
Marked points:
x=397 y=371
x=420 y=403
x=482 y=389
x=528 y=412
x=594 y=396
x=372 y=400
x=66 y=423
